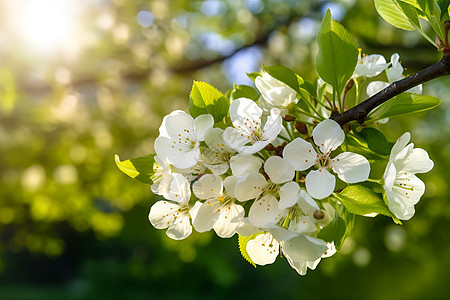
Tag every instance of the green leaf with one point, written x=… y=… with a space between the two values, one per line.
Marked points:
x=399 y=14
x=285 y=75
x=444 y=5
x=406 y=103
x=243 y=240
x=339 y=228
x=244 y=91
x=432 y=13
x=140 y=168
x=206 y=99
x=376 y=141
x=360 y=200
x=338 y=53
x=253 y=75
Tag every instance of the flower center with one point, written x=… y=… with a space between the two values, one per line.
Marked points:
x=323 y=160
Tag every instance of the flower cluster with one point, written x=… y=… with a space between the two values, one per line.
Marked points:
x=266 y=168
x=276 y=170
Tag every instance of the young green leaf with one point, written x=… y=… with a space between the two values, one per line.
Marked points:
x=244 y=91
x=206 y=99
x=406 y=103
x=432 y=12
x=376 y=141
x=140 y=168
x=253 y=75
x=242 y=241
x=398 y=13
x=338 y=53
x=360 y=200
x=339 y=228
x=285 y=75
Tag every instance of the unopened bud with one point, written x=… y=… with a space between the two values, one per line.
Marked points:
x=349 y=85
x=440 y=44
x=319 y=214
x=301 y=127
x=279 y=151
x=270 y=147
x=288 y=118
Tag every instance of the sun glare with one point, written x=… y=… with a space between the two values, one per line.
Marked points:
x=46 y=26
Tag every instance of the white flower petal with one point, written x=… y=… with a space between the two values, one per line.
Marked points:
x=208 y=186
x=178 y=122
x=395 y=72
x=351 y=167
x=304 y=248
x=246 y=229
x=320 y=183
x=300 y=266
x=264 y=212
x=400 y=144
x=279 y=170
x=370 y=66
x=289 y=195
x=253 y=148
x=229 y=220
x=418 y=89
x=272 y=127
x=281 y=234
x=243 y=111
x=162 y=213
x=207 y=215
x=300 y=154
x=244 y=164
x=263 y=249
x=179 y=189
x=235 y=139
x=328 y=135
x=389 y=176
x=181 y=228
x=202 y=124
x=214 y=141
x=230 y=185
x=417 y=161
x=375 y=86
x=250 y=187
x=408 y=188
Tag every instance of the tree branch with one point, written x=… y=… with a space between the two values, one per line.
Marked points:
x=360 y=111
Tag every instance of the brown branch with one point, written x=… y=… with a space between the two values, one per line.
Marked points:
x=360 y=111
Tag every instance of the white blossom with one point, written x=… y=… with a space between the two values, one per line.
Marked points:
x=218 y=155
x=328 y=136
x=394 y=73
x=249 y=135
x=219 y=211
x=403 y=188
x=370 y=65
x=162 y=176
x=176 y=211
x=265 y=210
x=274 y=91
x=180 y=136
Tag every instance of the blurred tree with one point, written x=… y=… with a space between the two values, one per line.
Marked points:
x=69 y=101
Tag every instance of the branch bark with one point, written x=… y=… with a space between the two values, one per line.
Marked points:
x=360 y=111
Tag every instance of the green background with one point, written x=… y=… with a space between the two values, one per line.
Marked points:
x=73 y=226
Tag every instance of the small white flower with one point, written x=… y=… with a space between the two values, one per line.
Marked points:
x=249 y=135
x=266 y=211
x=219 y=211
x=370 y=65
x=218 y=155
x=301 y=266
x=328 y=136
x=162 y=177
x=180 y=136
x=403 y=188
x=394 y=73
x=274 y=91
x=175 y=214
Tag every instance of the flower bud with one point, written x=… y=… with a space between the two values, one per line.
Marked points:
x=349 y=85
x=301 y=127
x=319 y=214
x=288 y=118
x=269 y=147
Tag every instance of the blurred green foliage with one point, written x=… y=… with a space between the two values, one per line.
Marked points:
x=73 y=226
